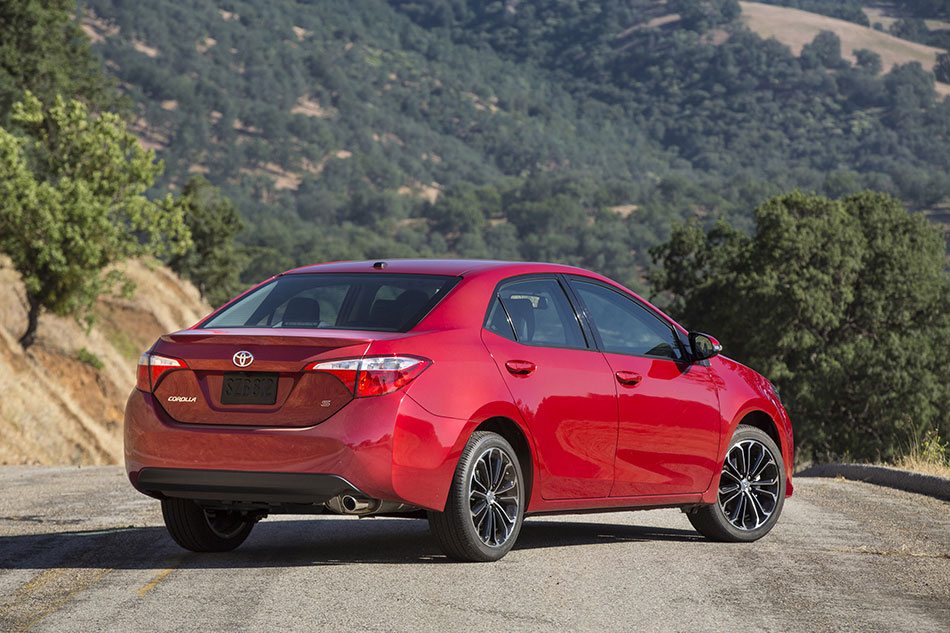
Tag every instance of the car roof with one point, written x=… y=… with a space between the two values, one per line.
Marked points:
x=454 y=267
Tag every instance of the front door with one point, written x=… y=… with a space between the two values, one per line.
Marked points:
x=562 y=386
x=669 y=408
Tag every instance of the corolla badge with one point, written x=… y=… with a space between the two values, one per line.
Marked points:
x=182 y=398
x=243 y=358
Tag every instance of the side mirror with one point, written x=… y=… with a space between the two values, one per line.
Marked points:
x=703 y=346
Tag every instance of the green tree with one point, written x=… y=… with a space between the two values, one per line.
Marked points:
x=844 y=304
x=43 y=50
x=72 y=204
x=213 y=262
x=942 y=68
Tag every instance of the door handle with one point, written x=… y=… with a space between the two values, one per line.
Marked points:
x=520 y=367
x=629 y=378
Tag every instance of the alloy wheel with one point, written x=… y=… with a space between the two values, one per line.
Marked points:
x=749 y=486
x=494 y=492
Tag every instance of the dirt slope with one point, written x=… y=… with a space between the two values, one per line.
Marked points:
x=797 y=28
x=57 y=409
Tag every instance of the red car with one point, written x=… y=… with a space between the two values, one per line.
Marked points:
x=473 y=392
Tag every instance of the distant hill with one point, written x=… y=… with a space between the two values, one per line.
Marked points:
x=797 y=28
x=570 y=131
x=58 y=406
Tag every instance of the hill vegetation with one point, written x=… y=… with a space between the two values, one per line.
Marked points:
x=398 y=128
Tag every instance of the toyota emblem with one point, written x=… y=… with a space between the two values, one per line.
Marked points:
x=243 y=358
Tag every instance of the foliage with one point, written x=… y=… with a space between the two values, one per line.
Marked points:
x=844 y=304
x=72 y=204
x=942 y=68
x=44 y=51
x=929 y=455
x=89 y=358
x=324 y=122
x=213 y=262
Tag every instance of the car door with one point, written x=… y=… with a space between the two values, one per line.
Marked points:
x=562 y=386
x=669 y=431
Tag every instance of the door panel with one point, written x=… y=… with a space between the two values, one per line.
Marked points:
x=564 y=391
x=669 y=428
x=669 y=422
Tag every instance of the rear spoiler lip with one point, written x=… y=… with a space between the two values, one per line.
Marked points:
x=268 y=336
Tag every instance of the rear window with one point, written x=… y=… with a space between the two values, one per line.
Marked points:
x=376 y=302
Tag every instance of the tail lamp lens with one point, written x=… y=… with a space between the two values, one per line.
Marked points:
x=376 y=375
x=151 y=367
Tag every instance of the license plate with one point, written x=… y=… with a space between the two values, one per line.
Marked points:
x=241 y=387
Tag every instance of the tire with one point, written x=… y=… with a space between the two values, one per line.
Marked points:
x=484 y=511
x=202 y=530
x=751 y=490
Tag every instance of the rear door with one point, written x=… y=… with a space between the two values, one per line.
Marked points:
x=561 y=385
x=669 y=408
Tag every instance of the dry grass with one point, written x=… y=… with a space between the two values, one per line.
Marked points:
x=63 y=399
x=796 y=28
x=930 y=456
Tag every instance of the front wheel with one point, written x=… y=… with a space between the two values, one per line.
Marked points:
x=751 y=490
x=485 y=508
x=202 y=530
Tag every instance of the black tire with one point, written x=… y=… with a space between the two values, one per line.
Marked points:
x=202 y=530
x=466 y=531
x=745 y=509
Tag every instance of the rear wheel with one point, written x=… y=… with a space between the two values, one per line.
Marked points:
x=751 y=490
x=201 y=530
x=485 y=508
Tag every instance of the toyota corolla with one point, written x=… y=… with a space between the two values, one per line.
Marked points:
x=473 y=393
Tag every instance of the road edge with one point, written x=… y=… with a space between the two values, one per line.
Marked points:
x=906 y=480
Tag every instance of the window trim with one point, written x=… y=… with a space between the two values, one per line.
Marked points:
x=685 y=360
x=589 y=342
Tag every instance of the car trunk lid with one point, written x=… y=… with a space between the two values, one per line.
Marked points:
x=256 y=377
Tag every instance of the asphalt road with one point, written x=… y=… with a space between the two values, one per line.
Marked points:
x=81 y=551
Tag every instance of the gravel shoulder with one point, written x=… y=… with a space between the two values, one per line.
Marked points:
x=81 y=550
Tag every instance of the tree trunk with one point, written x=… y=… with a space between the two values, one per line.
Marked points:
x=29 y=337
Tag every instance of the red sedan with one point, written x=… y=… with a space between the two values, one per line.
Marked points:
x=472 y=392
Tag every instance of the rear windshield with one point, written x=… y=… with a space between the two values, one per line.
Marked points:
x=377 y=302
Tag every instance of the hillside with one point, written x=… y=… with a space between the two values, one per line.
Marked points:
x=59 y=409
x=796 y=28
x=572 y=131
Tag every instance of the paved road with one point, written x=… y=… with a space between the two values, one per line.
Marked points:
x=81 y=551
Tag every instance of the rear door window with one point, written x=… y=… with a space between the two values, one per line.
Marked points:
x=536 y=312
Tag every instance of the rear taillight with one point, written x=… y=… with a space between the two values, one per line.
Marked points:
x=373 y=376
x=151 y=367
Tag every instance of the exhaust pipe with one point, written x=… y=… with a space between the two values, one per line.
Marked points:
x=352 y=505
x=362 y=506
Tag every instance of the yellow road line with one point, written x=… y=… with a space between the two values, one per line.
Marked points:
x=158 y=578
x=39 y=598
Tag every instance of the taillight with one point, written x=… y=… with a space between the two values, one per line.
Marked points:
x=373 y=376
x=151 y=367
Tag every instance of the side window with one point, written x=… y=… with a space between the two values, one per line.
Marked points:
x=624 y=325
x=498 y=321
x=540 y=314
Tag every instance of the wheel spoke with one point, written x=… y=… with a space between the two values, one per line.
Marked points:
x=494 y=496
x=725 y=501
x=758 y=471
x=747 y=501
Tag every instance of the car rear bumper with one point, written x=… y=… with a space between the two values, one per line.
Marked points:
x=242 y=486
x=386 y=447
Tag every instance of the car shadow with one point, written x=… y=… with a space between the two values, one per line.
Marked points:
x=294 y=543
